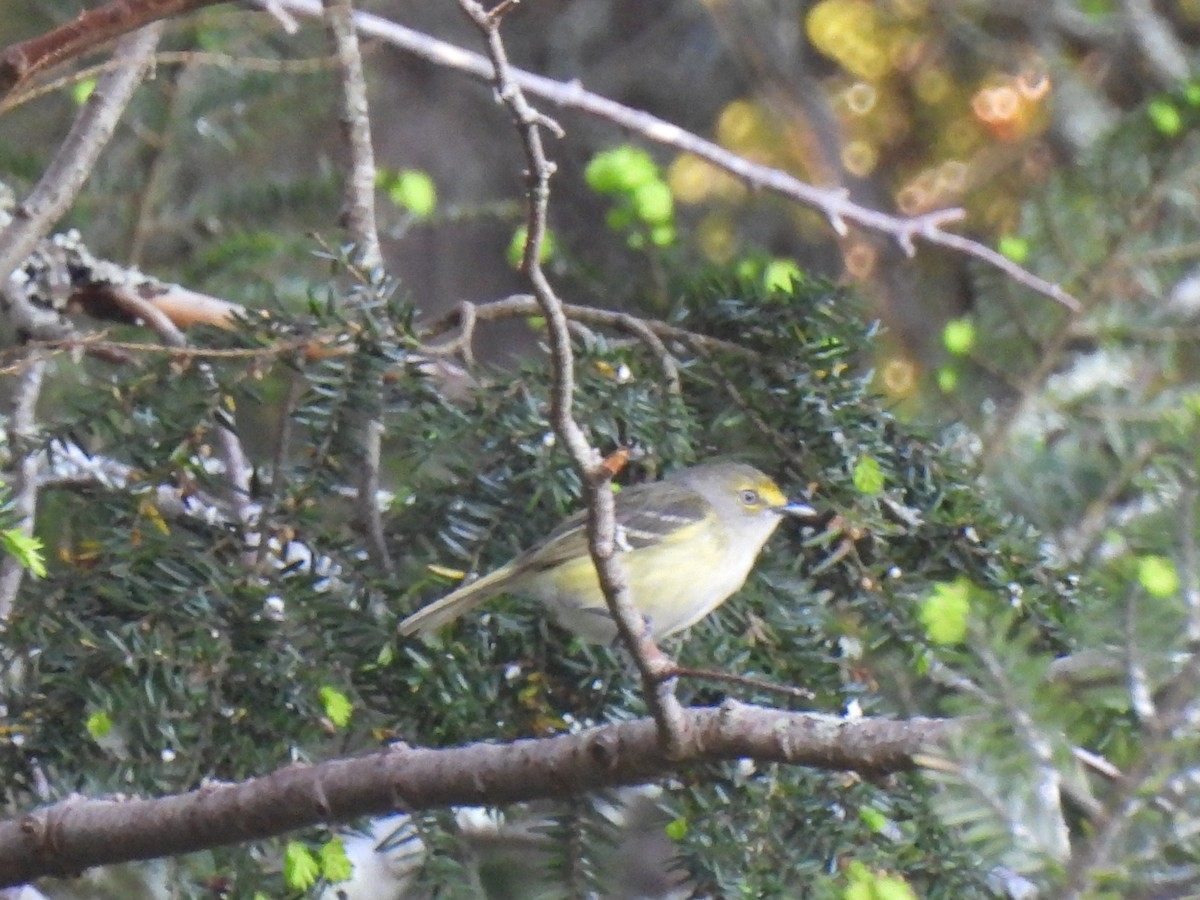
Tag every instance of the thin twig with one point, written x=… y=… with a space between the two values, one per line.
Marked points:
x=1189 y=560
x=358 y=217
x=308 y=66
x=23 y=482
x=648 y=331
x=229 y=445
x=358 y=203
x=100 y=344
x=519 y=305
x=19 y=62
x=76 y=157
x=747 y=681
x=833 y=204
x=650 y=661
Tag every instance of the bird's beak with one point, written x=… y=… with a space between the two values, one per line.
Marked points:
x=797 y=509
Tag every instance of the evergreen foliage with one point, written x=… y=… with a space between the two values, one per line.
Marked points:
x=1051 y=602
x=196 y=666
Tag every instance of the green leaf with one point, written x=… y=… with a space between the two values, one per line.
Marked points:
x=865 y=884
x=873 y=818
x=663 y=235
x=300 y=868
x=81 y=90
x=893 y=887
x=1165 y=116
x=677 y=829
x=386 y=655
x=868 y=476
x=99 y=724
x=653 y=203
x=1015 y=248
x=947 y=379
x=337 y=705
x=335 y=864
x=620 y=170
x=516 y=247
x=1158 y=576
x=958 y=336
x=26 y=548
x=413 y=190
x=779 y=274
x=944 y=611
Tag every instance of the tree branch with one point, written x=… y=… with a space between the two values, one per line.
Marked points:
x=833 y=204
x=72 y=835
x=229 y=445
x=91 y=28
x=76 y=157
x=358 y=216
x=358 y=210
x=23 y=482
x=651 y=663
x=121 y=15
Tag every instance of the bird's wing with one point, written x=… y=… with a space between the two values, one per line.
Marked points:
x=645 y=514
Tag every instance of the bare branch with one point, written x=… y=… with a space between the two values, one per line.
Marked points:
x=358 y=216
x=73 y=162
x=358 y=211
x=19 y=62
x=73 y=835
x=833 y=204
x=90 y=29
x=190 y=58
x=519 y=305
x=23 y=482
x=229 y=445
x=652 y=664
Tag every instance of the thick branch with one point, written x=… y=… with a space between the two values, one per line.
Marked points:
x=90 y=29
x=71 y=836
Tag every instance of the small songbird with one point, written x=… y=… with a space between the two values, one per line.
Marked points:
x=686 y=543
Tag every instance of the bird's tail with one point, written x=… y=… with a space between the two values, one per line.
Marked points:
x=429 y=618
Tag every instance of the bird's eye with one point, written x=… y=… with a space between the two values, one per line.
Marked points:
x=750 y=498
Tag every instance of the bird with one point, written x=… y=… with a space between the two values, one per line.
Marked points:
x=686 y=542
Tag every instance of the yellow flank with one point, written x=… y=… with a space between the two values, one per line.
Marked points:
x=686 y=543
x=659 y=580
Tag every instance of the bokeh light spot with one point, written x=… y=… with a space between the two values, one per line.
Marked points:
x=861 y=97
x=859 y=158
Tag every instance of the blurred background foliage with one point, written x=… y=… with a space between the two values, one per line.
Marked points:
x=1012 y=488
